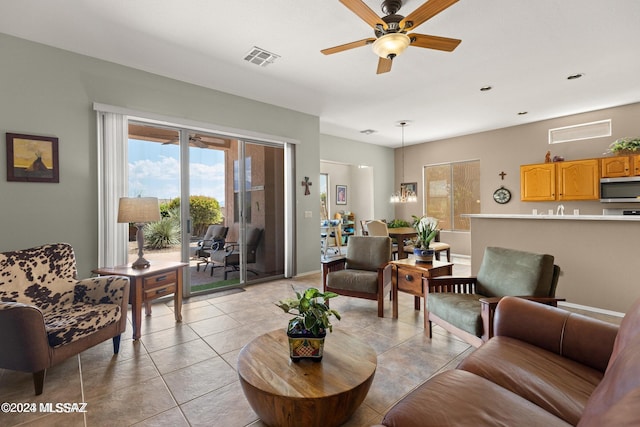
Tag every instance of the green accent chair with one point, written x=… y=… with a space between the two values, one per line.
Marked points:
x=364 y=273
x=465 y=306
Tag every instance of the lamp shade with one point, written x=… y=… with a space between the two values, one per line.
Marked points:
x=391 y=45
x=138 y=209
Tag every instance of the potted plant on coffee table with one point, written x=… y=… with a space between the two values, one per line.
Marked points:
x=311 y=320
x=427 y=229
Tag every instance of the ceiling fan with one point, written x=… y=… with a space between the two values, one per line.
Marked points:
x=391 y=38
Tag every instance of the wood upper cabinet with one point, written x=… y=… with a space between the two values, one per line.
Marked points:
x=613 y=167
x=538 y=182
x=620 y=166
x=578 y=180
x=575 y=180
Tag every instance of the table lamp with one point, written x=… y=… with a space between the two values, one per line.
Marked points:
x=139 y=210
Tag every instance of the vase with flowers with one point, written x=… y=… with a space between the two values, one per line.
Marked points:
x=426 y=228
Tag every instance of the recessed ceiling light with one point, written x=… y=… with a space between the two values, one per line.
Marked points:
x=575 y=76
x=522 y=113
x=368 y=131
x=485 y=88
x=260 y=56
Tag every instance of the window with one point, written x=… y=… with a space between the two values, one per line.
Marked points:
x=579 y=132
x=451 y=190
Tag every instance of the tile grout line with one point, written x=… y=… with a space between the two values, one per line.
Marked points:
x=84 y=414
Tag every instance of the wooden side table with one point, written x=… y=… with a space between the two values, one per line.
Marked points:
x=408 y=277
x=147 y=284
x=310 y=394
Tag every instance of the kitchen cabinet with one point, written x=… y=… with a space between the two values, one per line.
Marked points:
x=620 y=166
x=562 y=181
x=538 y=182
x=578 y=180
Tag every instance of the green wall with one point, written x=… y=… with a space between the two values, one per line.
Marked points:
x=48 y=91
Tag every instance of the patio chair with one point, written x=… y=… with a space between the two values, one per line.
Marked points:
x=212 y=241
x=229 y=256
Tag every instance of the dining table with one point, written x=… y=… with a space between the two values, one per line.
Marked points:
x=400 y=234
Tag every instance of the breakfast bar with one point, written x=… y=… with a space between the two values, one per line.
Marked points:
x=598 y=254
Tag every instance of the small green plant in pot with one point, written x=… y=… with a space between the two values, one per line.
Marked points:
x=311 y=320
x=624 y=146
x=427 y=228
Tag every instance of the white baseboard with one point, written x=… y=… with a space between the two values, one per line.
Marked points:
x=592 y=309
x=308 y=273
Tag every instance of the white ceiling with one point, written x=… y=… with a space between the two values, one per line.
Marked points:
x=524 y=49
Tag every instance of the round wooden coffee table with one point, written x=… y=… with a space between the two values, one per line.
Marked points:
x=307 y=393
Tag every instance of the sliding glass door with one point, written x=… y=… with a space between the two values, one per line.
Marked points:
x=235 y=190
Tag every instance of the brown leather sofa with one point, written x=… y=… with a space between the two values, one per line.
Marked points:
x=544 y=367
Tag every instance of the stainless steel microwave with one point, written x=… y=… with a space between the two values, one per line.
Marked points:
x=620 y=190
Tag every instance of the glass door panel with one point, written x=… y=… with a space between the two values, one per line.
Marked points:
x=154 y=171
x=207 y=227
x=231 y=185
x=257 y=209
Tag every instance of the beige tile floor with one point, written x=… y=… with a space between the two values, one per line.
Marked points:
x=181 y=374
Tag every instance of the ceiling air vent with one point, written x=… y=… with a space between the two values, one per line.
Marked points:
x=260 y=56
x=597 y=129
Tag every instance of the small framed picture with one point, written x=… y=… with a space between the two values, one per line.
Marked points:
x=32 y=158
x=409 y=186
x=341 y=194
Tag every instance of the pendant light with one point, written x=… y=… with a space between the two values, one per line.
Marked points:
x=403 y=195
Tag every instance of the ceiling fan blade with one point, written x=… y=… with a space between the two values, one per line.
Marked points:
x=433 y=42
x=364 y=12
x=427 y=11
x=384 y=65
x=347 y=46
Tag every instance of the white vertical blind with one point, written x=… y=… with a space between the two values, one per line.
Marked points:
x=112 y=184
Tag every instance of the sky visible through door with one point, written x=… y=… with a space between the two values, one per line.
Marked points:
x=154 y=171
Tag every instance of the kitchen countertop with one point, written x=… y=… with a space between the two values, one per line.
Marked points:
x=558 y=217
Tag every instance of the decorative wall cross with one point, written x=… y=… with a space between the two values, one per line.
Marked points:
x=306 y=184
x=502 y=174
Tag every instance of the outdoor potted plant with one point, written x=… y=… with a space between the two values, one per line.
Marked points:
x=623 y=146
x=427 y=229
x=311 y=320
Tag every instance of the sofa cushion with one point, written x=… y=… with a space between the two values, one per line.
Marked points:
x=557 y=384
x=459 y=398
x=511 y=272
x=71 y=323
x=43 y=276
x=460 y=310
x=354 y=280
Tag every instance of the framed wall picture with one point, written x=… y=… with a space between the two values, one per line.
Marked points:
x=409 y=186
x=341 y=194
x=32 y=158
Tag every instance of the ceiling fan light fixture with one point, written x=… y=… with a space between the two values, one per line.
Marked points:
x=391 y=45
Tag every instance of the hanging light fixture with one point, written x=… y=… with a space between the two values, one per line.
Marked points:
x=391 y=45
x=404 y=195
